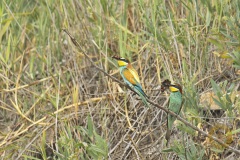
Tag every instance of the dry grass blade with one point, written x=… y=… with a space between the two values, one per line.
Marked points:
x=27 y=85
x=92 y=100
x=20 y=132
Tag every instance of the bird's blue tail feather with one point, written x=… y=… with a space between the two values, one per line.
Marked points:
x=141 y=94
x=138 y=87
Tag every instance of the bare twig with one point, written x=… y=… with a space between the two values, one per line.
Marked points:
x=151 y=102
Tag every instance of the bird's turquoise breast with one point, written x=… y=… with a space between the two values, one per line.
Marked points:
x=121 y=69
x=175 y=101
x=124 y=78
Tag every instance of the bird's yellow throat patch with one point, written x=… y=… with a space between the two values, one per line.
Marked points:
x=122 y=63
x=173 y=89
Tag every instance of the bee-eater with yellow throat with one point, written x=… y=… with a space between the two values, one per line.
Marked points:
x=130 y=77
x=174 y=104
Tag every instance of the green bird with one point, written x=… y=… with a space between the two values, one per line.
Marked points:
x=174 y=104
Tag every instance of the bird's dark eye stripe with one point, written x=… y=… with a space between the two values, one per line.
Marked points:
x=125 y=60
x=175 y=86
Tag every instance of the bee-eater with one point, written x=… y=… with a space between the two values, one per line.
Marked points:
x=130 y=77
x=174 y=104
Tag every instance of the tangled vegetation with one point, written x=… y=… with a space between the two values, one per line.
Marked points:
x=55 y=104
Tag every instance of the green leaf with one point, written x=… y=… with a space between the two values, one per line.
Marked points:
x=215 y=42
x=7 y=53
x=216 y=88
x=228 y=98
x=208 y=18
x=185 y=128
x=216 y=150
x=90 y=127
x=43 y=143
x=97 y=150
x=220 y=104
x=5 y=28
x=167 y=150
x=30 y=157
x=233 y=132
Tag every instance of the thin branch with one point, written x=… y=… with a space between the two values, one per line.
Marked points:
x=151 y=102
x=100 y=69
